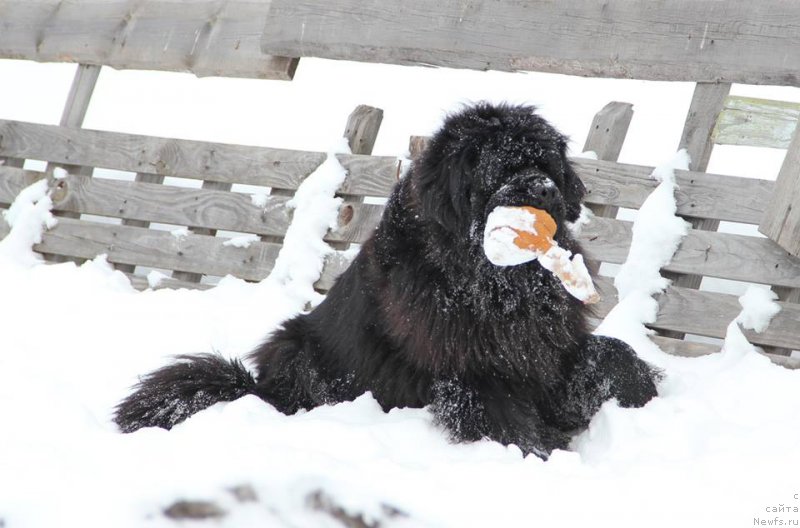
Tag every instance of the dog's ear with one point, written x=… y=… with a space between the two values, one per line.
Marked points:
x=574 y=190
x=446 y=187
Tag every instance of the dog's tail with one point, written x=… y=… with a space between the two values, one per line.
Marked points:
x=171 y=394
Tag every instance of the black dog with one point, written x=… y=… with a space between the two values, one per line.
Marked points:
x=421 y=317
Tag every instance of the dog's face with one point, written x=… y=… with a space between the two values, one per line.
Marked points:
x=491 y=155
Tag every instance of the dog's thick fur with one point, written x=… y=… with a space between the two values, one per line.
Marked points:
x=421 y=317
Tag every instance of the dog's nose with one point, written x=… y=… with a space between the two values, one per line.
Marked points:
x=544 y=193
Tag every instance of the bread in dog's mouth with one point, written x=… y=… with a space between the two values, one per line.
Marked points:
x=515 y=235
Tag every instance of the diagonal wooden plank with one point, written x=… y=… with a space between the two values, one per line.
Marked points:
x=606 y=136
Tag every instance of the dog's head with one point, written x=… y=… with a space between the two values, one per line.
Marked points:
x=491 y=155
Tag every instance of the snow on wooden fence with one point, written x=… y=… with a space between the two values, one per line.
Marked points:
x=707 y=41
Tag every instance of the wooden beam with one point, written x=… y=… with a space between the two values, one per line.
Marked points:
x=680 y=40
x=707 y=103
x=606 y=136
x=722 y=255
x=699 y=194
x=756 y=122
x=686 y=310
x=781 y=221
x=204 y=37
x=361 y=132
x=278 y=168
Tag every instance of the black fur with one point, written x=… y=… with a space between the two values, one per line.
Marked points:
x=421 y=317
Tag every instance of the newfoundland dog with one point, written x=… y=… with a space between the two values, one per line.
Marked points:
x=422 y=317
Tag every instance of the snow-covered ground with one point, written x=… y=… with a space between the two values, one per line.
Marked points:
x=719 y=447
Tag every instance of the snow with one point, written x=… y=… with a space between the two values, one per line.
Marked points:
x=27 y=217
x=758 y=308
x=657 y=233
x=719 y=447
x=259 y=199
x=242 y=241
x=179 y=232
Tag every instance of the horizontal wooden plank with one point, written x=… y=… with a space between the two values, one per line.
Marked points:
x=203 y=208
x=279 y=168
x=756 y=122
x=204 y=37
x=699 y=194
x=681 y=40
x=159 y=249
x=708 y=314
x=678 y=347
x=205 y=255
x=721 y=255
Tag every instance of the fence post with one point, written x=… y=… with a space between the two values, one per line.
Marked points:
x=606 y=136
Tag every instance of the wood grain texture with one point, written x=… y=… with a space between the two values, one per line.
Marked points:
x=708 y=101
x=722 y=255
x=204 y=208
x=678 y=40
x=204 y=37
x=781 y=221
x=159 y=249
x=606 y=136
x=361 y=132
x=756 y=122
x=706 y=104
x=278 y=168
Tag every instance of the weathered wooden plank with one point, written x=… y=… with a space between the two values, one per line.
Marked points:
x=186 y=276
x=205 y=37
x=722 y=255
x=781 y=221
x=681 y=40
x=278 y=168
x=756 y=122
x=707 y=103
x=210 y=209
x=690 y=311
x=678 y=347
x=708 y=314
x=606 y=136
x=361 y=132
x=699 y=194
x=159 y=249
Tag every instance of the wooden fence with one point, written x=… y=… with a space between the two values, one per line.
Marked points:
x=705 y=41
